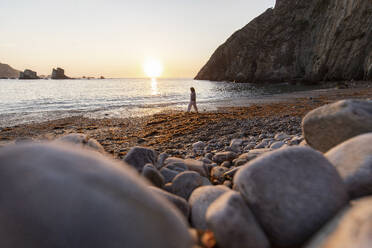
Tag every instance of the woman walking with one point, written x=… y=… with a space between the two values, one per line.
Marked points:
x=192 y=100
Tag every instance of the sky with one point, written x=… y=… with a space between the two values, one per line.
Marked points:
x=114 y=38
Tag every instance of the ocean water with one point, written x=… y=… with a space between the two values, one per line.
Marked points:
x=24 y=101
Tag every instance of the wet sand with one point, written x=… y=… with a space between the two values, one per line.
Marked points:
x=174 y=132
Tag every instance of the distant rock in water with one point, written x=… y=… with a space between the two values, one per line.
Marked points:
x=7 y=71
x=303 y=40
x=59 y=73
x=28 y=74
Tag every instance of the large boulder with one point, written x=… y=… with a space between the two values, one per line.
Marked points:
x=138 y=157
x=330 y=125
x=200 y=199
x=300 y=40
x=233 y=223
x=351 y=228
x=292 y=193
x=353 y=160
x=56 y=196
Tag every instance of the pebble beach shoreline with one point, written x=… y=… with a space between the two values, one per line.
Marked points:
x=247 y=167
x=174 y=132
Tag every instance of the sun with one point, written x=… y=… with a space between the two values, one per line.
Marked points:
x=153 y=68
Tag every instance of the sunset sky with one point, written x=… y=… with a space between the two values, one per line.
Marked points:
x=114 y=38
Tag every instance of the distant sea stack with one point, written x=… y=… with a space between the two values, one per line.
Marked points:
x=28 y=74
x=7 y=71
x=59 y=73
x=298 y=40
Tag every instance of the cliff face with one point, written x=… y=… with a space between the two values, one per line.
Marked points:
x=298 y=40
x=8 y=72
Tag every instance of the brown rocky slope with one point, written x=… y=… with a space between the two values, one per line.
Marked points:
x=298 y=40
x=8 y=72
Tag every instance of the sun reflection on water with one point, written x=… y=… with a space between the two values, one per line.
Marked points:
x=154 y=87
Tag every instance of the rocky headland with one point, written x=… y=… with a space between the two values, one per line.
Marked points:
x=304 y=40
x=6 y=71
x=28 y=74
x=59 y=73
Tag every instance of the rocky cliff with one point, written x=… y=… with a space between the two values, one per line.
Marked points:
x=8 y=72
x=28 y=74
x=59 y=73
x=299 y=40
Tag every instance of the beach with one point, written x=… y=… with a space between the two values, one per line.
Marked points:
x=174 y=132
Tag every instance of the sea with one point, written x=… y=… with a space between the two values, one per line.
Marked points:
x=26 y=101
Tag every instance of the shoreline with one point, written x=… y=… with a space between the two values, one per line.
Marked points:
x=174 y=131
x=133 y=111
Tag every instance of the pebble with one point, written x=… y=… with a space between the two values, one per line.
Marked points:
x=153 y=175
x=233 y=223
x=168 y=174
x=138 y=157
x=218 y=172
x=181 y=204
x=277 y=145
x=200 y=200
x=353 y=160
x=162 y=157
x=350 y=228
x=224 y=156
x=185 y=183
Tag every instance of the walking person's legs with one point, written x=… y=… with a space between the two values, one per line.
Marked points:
x=195 y=107
x=189 y=107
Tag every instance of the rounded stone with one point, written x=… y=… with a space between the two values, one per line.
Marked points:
x=353 y=160
x=350 y=228
x=296 y=185
x=153 y=175
x=224 y=156
x=217 y=173
x=185 y=183
x=181 y=204
x=176 y=166
x=277 y=145
x=233 y=223
x=56 y=196
x=168 y=174
x=138 y=157
x=200 y=200
x=330 y=125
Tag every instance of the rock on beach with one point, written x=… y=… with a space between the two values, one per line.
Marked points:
x=350 y=228
x=353 y=160
x=292 y=192
x=56 y=196
x=138 y=157
x=330 y=125
x=233 y=223
x=200 y=199
x=186 y=182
